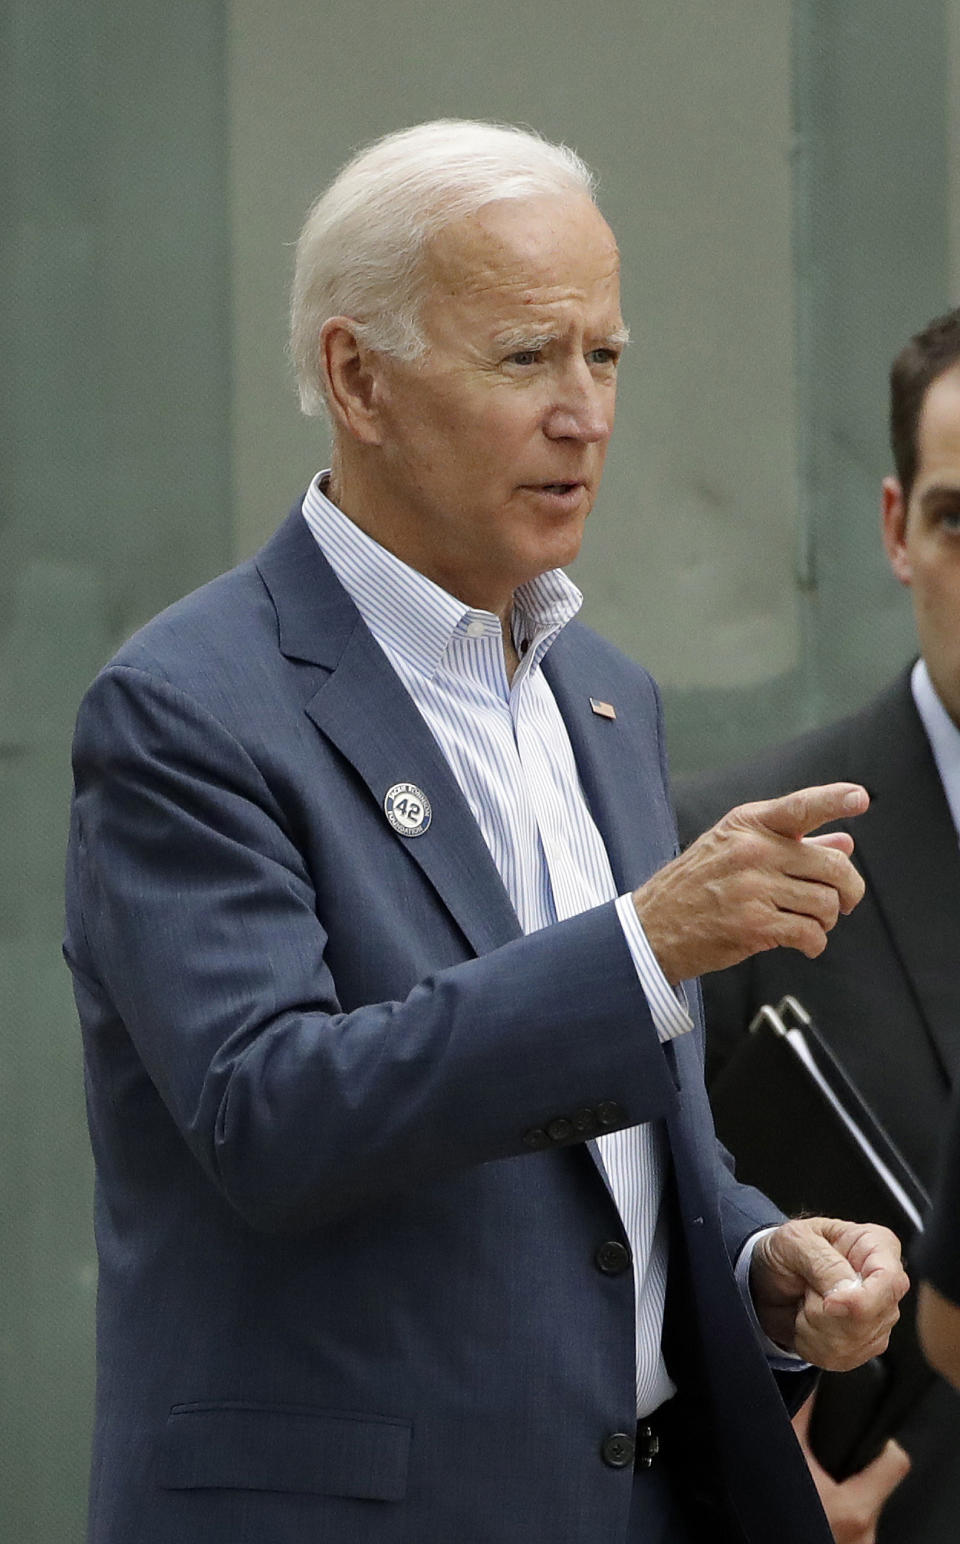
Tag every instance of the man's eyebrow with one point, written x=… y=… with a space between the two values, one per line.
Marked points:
x=518 y=338
x=941 y=490
x=619 y=338
x=521 y=338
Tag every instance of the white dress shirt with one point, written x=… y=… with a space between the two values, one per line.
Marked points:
x=943 y=734
x=508 y=748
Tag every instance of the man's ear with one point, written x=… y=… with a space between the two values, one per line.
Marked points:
x=895 y=529
x=350 y=372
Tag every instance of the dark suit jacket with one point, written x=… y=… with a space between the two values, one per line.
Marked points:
x=939 y=1258
x=347 y=1221
x=885 y=994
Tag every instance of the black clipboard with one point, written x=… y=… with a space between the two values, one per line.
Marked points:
x=801 y=1132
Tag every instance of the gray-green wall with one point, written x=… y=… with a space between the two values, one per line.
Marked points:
x=785 y=187
x=114 y=497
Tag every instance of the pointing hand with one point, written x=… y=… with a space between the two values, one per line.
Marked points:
x=756 y=880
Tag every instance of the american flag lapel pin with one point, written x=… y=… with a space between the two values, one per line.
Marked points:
x=603 y=709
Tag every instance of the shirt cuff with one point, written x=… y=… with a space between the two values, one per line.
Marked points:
x=782 y=1360
x=668 y=1008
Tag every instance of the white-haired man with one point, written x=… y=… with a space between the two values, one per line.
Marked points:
x=411 y=1221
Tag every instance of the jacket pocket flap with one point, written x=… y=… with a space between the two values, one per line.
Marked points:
x=286 y=1448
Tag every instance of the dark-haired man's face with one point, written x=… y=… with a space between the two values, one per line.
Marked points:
x=922 y=537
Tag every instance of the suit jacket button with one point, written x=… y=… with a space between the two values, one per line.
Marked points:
x=585 y=1122
x=618 y=1450
x=609 y=1113
x=560 y=1130
x=536 y=1138
x=612 y=1258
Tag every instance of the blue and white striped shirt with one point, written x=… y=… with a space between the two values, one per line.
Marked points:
x=509 y=750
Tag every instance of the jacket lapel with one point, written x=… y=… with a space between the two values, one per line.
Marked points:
x=617 y=759
x=362 y=707
x=908 y=845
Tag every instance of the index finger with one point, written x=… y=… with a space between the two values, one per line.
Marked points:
x=795 y=814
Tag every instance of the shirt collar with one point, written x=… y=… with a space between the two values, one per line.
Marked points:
x=943 y=734
x=412 y=617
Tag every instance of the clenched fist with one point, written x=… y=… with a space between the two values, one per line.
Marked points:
x=827 y=1289
x=756 y=880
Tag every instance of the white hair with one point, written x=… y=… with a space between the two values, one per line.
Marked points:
x=360 y=250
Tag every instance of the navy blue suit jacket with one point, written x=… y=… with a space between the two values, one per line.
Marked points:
x=346 y=1293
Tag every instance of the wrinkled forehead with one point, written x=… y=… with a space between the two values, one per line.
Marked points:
x=527 y=251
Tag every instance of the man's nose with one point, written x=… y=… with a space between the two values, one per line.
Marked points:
x=581 y=409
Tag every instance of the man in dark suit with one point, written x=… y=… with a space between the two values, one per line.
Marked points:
x=938 y=1306
x=886 y=992
x=411 y=1220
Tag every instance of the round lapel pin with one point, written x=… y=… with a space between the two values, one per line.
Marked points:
x=408 y=809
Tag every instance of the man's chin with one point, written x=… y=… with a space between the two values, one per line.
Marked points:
x=560 y=550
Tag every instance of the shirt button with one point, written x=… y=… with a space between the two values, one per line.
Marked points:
x=612 y=1258
x=618 y=1450
x=475 y=629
